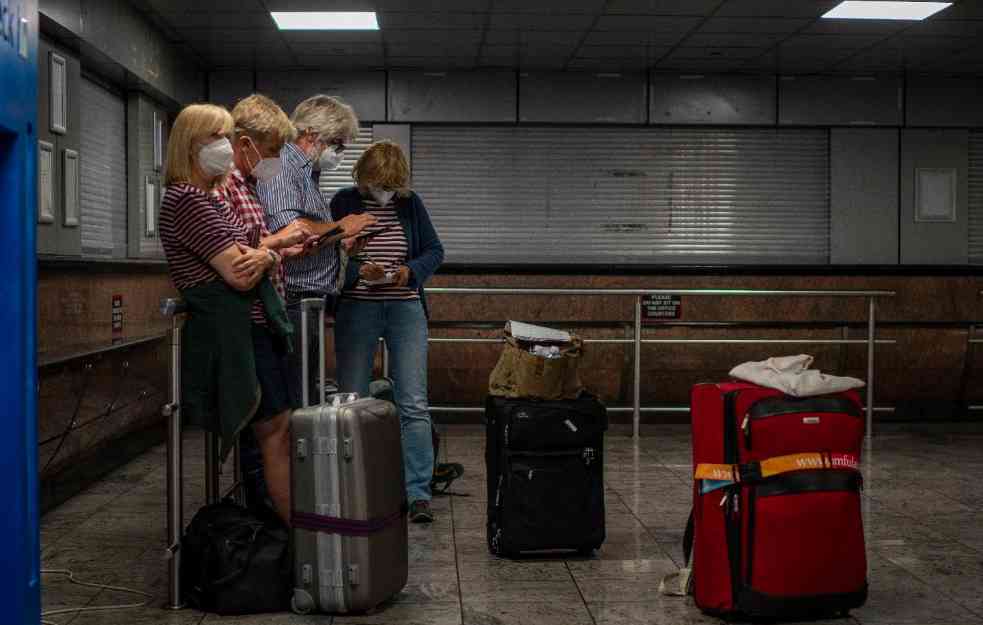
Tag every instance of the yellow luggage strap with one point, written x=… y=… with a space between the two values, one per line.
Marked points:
x=756 y=471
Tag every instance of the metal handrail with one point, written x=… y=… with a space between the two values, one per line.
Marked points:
x=637 y=340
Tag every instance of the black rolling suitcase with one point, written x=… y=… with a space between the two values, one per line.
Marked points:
x=545 y=475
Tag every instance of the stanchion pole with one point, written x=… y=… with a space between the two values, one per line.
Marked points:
x=175 y=477
x=637 y=387
x=871 y=330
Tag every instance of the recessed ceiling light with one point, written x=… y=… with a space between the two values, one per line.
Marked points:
x=866 y=10
x=325 y=20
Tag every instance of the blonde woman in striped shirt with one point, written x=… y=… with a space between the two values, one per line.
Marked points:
x=384 y=298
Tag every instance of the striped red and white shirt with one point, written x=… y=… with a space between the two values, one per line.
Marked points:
x=239 y=193
x=388 y=249
x=194 y=228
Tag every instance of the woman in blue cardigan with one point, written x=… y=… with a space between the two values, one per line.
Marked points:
x=383 y=297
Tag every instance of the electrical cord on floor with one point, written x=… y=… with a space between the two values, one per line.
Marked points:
x=100 y=608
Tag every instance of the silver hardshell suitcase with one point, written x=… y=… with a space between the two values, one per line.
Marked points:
x=349 y=503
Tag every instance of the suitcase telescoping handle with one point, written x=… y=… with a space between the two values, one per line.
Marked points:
x=308 y=306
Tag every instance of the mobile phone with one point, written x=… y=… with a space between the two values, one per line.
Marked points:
x=328 y=235
x=362 y=236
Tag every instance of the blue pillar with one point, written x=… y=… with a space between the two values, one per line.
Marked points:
x=20 y=582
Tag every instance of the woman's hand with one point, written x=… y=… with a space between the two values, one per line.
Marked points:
x=372 y=272
x=354 y=245
x=297 y=232
x=354 y=224
x=402 y=276
x=293 y=251
x=252 y=262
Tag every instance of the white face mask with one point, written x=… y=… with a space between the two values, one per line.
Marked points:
x=267 y=168
x=382 y=197
x=215 y=158
x=331 y=158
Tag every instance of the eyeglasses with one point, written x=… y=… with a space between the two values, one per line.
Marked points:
x=337 y=144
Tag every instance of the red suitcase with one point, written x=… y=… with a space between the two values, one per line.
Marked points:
x=776 y=518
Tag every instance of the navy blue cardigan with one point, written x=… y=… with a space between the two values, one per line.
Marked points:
x=425 y=252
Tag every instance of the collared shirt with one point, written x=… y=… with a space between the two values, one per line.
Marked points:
x=239 y=193
x=291 y=195
x=194 y=228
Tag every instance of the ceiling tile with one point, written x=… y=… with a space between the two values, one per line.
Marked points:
x=523 y=21
x=435 y=49
x=513 y=37
x=830 y=42
x=607 y=65
x=646 y=23
x=337 y=49
x=753 y=25
x=216 y=20
x=962 y=10
x=172 y=7
x=735 y=40
x=662 y=7
x=701 y=65
x=640 y=38
x=856 y=27
x=951 y=28
x=315 y=5
x=432 y=20
x=716 y=53
x=776 y=8
x=426 y=35
x=643 y=53
x=431 y=6
x=551 y=7
x=304 y=37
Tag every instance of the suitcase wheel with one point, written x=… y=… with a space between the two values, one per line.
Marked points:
x=301 y=602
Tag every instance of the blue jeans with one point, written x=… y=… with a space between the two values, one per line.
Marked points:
x=358 y=326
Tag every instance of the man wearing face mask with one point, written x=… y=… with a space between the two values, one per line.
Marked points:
x=292 y=199
x=261 y=129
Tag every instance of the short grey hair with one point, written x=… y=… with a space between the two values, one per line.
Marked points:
x=328 y=116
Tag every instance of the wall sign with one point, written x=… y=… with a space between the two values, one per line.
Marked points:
x=657 y=308
x=117 y=318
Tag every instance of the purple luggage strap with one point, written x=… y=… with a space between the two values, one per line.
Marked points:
x=344 y=527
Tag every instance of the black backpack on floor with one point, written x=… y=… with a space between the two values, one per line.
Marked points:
x=234 y=562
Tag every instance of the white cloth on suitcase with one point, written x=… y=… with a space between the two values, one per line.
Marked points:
x=792 y=376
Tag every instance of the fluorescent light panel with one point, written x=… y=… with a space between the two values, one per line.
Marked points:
x=325 y=20
x=865 y=10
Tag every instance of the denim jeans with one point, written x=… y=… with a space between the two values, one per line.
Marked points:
x=358 y=326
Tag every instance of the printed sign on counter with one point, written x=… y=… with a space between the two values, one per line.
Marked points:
x=657 y=308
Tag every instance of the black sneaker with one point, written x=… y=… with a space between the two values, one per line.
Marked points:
x=420 y=512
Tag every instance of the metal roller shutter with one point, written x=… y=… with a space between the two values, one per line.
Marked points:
x=626 y=195
x=102 y=182
x=331 y=181
x=976 y=197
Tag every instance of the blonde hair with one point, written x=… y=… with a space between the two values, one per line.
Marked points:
x=259 y=118
x=194 y=124
x=384 y=165
x=327 y=116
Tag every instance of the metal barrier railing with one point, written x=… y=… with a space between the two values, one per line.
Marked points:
x=638 y=340
x=171 y=411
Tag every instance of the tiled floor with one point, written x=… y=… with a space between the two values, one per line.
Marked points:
x=923 y=506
